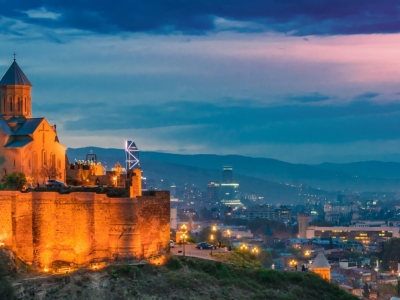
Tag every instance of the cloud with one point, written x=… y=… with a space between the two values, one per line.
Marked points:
x=367 y=95
x=301 y=17
x=314 y=97
x=208 y=123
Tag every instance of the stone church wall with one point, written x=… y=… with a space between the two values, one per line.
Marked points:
x=44 y=227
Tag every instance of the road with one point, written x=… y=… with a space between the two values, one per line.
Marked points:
x=190 y=250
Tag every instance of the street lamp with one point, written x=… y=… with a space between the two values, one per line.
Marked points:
x=183 y=236
x=212 y=245
x=183 y=239
x=243 y=247
x=228 y=232
x=255 y=252
x=293 y=264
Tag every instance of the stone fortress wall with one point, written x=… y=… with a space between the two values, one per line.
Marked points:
x=80 y=227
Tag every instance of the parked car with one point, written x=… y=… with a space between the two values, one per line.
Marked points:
x=171 y=244
x=204 y=245
x=54 y=183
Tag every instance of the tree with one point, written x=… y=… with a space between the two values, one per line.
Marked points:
x=15 y=181
x=372 y=261
x=366 y=291
x=49 y=171
x=398 y=287
x=391 y=255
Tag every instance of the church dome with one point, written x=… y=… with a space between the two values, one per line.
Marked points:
x=15 y=76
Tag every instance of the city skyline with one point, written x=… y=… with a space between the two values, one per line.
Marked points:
x=307 y=82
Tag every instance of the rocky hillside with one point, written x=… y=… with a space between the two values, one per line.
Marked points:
x=180 y=278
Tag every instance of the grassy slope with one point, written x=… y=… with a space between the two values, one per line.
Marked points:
x=184 y=278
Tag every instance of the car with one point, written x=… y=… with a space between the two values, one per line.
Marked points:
x=204 y=245
x=171 y=244
x=54 y=183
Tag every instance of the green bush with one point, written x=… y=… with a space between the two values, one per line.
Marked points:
x=6 y=290
x=15 y=181
x=173 y=263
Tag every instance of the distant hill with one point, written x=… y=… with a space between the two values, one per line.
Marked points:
x=201 y=168
x=371 y=169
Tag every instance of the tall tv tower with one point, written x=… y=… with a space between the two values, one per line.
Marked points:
x=132 y=156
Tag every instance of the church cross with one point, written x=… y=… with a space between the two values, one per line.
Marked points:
x=14 y=55
x=43 y=130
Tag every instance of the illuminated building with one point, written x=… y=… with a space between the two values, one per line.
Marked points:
x=261 y=211
x=227 y=175
x=213 y=193
x=30 y=145
x=229 y=190
x=365 y=235
x=283 y=214
x=303 y=221
x=321 y=266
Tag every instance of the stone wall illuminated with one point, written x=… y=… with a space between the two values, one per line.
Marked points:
x=44 y=227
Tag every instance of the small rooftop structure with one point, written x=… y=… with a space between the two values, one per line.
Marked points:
x=15 y=76
x=320 y=261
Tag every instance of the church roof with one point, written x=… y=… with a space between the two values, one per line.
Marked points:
x=15 y=120
x=18 y=144
x=29 y=126
x=320 y=261
x=15 y=76
x=20 y=137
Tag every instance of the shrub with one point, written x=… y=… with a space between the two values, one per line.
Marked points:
x=15 y=181
x=173 y=263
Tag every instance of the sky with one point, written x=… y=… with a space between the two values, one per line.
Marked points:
x=304 y=81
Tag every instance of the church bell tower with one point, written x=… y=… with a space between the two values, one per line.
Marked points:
x=15 y=93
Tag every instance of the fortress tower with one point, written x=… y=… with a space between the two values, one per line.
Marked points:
x=303 y=220
x=321 y=266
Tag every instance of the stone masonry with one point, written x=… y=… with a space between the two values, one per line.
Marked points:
x=80 y=227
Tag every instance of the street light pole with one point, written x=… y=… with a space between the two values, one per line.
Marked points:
x=255 y=252
x=212 y=238
x=183 y=237
x=229 y=238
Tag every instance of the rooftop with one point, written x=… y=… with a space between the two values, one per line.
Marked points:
x=15 y=76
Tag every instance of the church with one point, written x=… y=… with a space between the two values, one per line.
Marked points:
x=28 y=145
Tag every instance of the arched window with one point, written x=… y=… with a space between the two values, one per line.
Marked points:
x=11 y=103
x=19 y=104
x=4 y=104
x=44 y=158
x=25 y=104
x=29 y=163
x=53 y=160
x=35 y=164
x=59 y=163
x=14 y=162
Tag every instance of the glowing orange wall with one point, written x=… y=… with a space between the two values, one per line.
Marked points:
x=43 y=227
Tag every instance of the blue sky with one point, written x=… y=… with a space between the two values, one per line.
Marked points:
x=301 y=81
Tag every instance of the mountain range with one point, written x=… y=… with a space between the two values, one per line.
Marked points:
x=270 y=178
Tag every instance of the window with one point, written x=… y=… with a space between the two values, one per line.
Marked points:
x=4 y=104
x=19 y=104
x=29 y=164
x=14 y=162
x=44 y=158
x=53 y=160
x=59 y=163
x=11 y=103
x=25 y=104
